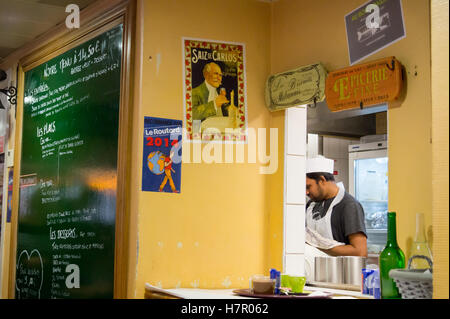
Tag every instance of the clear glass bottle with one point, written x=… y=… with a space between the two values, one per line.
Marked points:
x=420 y=246
x=392 y=257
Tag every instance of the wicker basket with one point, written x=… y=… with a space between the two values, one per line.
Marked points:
x=414 y=283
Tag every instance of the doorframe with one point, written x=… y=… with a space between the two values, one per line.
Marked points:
x=95 y=19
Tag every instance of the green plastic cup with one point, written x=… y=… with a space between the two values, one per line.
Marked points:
x=295 y=283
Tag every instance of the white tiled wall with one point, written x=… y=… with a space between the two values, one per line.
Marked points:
x=296 y=132
x=295 y=179
x=294 y=230
x=294 y=191
x=294 y=264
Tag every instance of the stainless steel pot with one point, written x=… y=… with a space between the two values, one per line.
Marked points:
x=334 y=270
x=320 y=269
x=328 y=269
x=339 y=270
x=352 y=266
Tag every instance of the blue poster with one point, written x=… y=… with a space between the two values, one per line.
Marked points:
x=161 y=165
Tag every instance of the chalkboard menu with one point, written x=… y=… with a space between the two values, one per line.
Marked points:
x=68 y=173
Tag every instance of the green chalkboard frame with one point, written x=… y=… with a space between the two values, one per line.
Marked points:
x=96 y=20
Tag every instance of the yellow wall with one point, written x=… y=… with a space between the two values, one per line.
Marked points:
x=439 y=53
x=227 y=223
x=213 y=234
x=305 y=32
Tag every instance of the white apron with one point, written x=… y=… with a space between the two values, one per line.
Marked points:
x=323 y=225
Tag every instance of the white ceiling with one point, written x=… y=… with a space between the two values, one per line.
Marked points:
x=23 y=20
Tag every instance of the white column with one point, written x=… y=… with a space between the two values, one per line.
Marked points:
x=294 y=190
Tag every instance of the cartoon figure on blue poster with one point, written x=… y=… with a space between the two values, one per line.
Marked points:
x=161 y=166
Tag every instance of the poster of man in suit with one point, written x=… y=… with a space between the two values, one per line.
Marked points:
x=214 y=90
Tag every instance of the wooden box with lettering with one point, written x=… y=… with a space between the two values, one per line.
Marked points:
x=363 y=85
x=305 y=85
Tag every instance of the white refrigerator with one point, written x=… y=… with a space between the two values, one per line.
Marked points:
x=368 y=183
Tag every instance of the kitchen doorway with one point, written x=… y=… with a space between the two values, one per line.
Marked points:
x=357 y=141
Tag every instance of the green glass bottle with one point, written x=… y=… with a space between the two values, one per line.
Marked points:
x=392 y=257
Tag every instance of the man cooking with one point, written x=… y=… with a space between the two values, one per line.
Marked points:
x=334 y=218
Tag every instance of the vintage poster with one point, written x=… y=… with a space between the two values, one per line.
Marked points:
x=215 y=102
x=372 y=27
x=161 y=166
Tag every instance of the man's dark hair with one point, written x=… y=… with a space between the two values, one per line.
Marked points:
x=316 y=176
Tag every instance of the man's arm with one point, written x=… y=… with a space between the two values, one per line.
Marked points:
x=357 y=247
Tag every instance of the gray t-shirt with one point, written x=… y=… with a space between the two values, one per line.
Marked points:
x=347 y=217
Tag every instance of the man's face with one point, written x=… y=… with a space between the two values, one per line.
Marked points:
x=214 y=76
x=315 y=190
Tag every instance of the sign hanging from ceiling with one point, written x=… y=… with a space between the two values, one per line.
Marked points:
x=372 y=27
x=305 y=85
x=363 y=85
